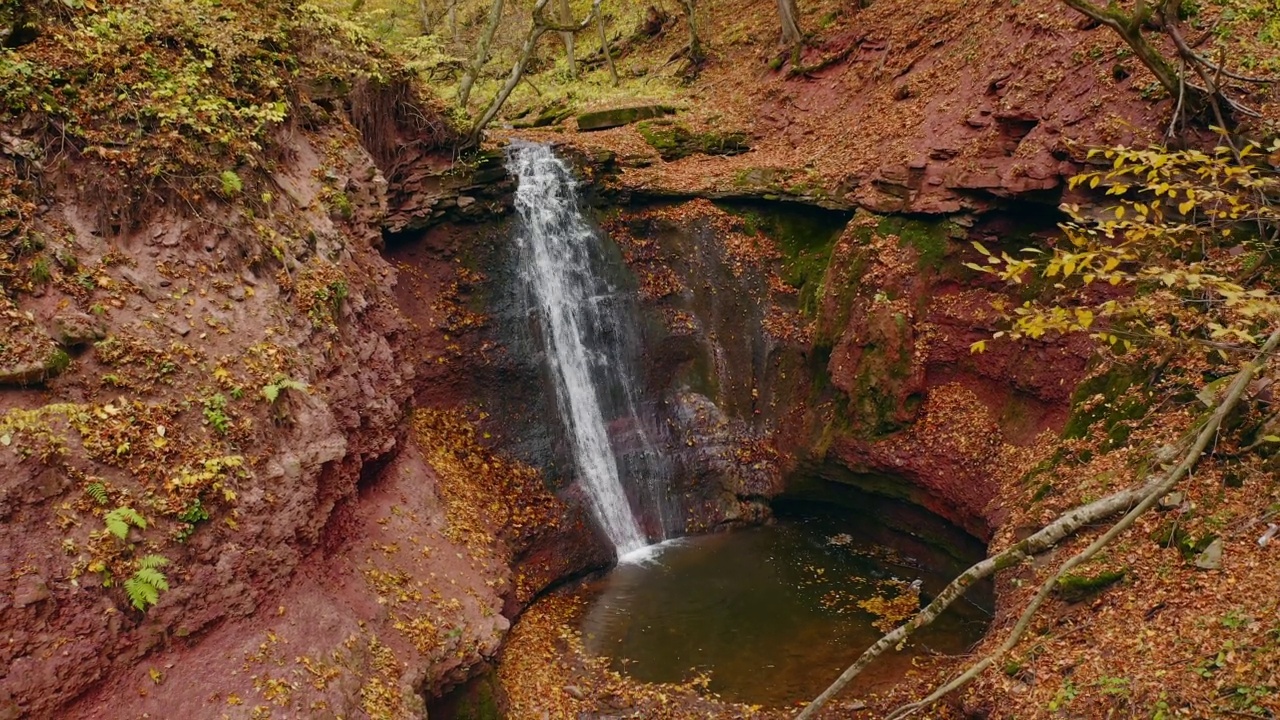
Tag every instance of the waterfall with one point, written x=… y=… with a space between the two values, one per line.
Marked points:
x=588 y=332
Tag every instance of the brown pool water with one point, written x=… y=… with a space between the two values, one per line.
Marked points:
x=771 y=613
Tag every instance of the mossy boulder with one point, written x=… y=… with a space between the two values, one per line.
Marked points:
x=552 y=114
x=1074 y=588
x=35 y=372
x=617 y=117
x=1173 y=534
x=674 y=141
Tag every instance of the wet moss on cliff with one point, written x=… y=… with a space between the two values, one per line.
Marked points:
x=804 y=235
x=930 y=238
x=1115 y=398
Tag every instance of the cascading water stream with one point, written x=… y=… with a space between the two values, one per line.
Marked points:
x=584 y=326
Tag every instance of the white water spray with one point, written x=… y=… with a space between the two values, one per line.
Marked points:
x=556 y=245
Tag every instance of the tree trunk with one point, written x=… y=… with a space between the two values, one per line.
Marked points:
x=538 y=26
x=1136 y=501
x=787 y=13
x=453 y=20
x=691 y=17
x=424 y=17
x=566 y=17
x=604 y=48
x=482 y=52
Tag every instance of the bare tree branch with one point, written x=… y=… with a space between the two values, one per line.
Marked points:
x=1161 y=488
x=1144 y=495
x=482 y=51
x=538 y=27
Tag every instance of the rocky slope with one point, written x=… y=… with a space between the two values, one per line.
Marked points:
x=339 y=449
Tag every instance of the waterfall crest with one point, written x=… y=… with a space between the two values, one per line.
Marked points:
x=585 y=327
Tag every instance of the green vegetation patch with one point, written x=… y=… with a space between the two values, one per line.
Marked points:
x=930 y=238
x=674 y=141
x=1073 y=588
x=1115 y=398
x=171 y=95
x=617 y=117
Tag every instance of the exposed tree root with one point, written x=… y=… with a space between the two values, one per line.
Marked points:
x=1145 y=496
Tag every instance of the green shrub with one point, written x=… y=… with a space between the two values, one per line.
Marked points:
x=215 y=415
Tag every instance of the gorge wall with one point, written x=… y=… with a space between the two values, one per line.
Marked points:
x=382 y=527
x=777 y=346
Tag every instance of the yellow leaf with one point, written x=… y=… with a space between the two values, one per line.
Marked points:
x=1120 y=212
x=981 y=248
x=1094 y=182
x=980 y=346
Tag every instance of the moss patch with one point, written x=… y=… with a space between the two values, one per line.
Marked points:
x=1073 y=588
x=674 y=141
x=1114 y=398
x=930 y=238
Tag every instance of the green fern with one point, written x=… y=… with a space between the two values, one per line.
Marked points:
x=151 y=562
x=272 y=392
x=148 y=582
x=154 y=578
x=119 y=520
x=141 y=593
x=98 y=492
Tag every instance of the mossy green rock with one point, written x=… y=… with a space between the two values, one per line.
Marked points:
x=617 y=117
x=1078 y=587
x=35 y=372
x=550 y=115
x=674 y=141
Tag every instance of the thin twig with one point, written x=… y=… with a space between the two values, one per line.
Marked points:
x=1208 y=432
x=1177 y=111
